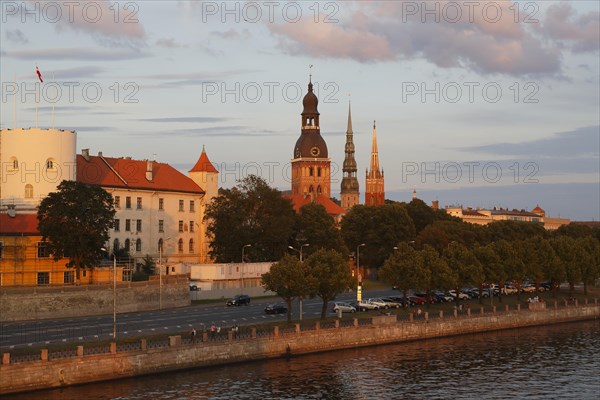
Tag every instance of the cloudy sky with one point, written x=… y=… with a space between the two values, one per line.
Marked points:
x=480 y=103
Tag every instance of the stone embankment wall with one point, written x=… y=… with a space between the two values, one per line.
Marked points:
x=19 y=304
x=175 y=355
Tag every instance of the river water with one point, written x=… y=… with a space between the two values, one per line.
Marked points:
x=551 y=362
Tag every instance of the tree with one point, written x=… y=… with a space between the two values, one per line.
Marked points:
x=148 y=265
x=422 y=215
x=317 y=228
x=432 y=236
x=250 y=213
x=506 y=259
x=491 y=265
x=74 y=221
x=289 y=279
x=466 y=269
x=511 y=230
x=574 y=230
x=570 y=256
x=590 y=262
x=380 y=228
x=440 y=275
x=329 y=275
x=405 y=270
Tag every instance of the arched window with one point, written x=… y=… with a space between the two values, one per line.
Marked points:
x=160 y=245
x=50 y=164
x=29 y=191
x=191 y=246
x=180 y=245
x=310 y=171
x=14 y=163
x=127 y=245
x=319 y=171
x=116 y=245
x=310 y=189
x=319 y=191
x=138 y=245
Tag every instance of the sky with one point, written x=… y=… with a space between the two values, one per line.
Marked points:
x=477 y=103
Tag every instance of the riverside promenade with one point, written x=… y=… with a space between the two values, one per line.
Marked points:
x=86 y=364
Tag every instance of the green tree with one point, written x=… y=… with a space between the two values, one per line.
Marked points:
x=405 y=270
x=440 y=275
x=574 y=230
x=493 y=270
x=512 y=264
x=329 y=275
x=422 y=215
x=511 y=230
x=465 y=267
x=289 y=279
x=148 y=265
x=590 y=262
x=570 y=256
x=250 y=213
x=539 y=257
x=432 y=236
x=317 y=228
x=380 y=228
x=75 y=221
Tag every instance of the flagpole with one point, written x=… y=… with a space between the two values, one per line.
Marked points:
x=15 y=102
x=36 y=103
x=53 y=104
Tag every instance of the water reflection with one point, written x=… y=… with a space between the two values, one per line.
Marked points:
x=555 y=362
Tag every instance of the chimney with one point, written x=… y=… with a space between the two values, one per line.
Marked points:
x=99 y=154
x=86 y=154
x=149 y=170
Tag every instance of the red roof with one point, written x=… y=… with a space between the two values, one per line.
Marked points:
x=300 y=200
x=131 y=174
x=21 y=224
x=203 y=164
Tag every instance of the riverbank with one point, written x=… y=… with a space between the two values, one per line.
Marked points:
x=50 y=370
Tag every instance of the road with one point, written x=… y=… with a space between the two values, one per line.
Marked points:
x=140 y=324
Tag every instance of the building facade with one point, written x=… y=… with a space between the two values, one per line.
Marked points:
x=481 y=216
x=374 y=188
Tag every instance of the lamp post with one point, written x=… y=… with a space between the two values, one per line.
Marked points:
x=301 y=260
x=242 y=272
x=359 y=275
x=114 y=294
x=160 y=248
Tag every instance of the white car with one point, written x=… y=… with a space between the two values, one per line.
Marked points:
x=461 y=296
x=379 y=303
x=344 y=307
x=365 y=306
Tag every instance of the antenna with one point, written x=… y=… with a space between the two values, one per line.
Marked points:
x=53 y=103
x=15 y=102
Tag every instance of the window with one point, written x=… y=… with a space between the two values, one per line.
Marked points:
x=42 y=250
x=50 y=164
x=192 y=206
x=117 y=225
x=138 y=245
x=138 y=225
x=191 y=246
x=160 y=245
x=319 y=189
x=69 y=277
x=310 y=171
x=127 y=202
x=29 y=191
x=161 y=204
x=180 y=226
x=191 y=226
x=161 y=225
x=127 y=225
x=180 y=245
x=127 y=245
x=319 y=171
x=180 y=205
x=139 y=203
x=117 y=201
x=1 y=250
x=116 y=245
x=43 y=278
x=14 y=163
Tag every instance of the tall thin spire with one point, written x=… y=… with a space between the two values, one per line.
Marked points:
x=349 y=128
x=349 y=187
x=374 y=152
x=375 y=192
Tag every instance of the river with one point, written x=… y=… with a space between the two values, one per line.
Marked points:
x=550 y=362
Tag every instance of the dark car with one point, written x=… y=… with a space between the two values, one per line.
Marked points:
x=276 y=309
x=238 y=300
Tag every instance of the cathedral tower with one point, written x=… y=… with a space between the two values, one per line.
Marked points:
x=350 y=187
x=374 y=192
x=311 y=165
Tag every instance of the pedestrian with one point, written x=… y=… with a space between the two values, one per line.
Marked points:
x=235 y=330
x=193 y=335
x=419 y=312
x=212 y=329
x=218 y=329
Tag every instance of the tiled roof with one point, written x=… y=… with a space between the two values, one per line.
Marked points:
x=515 y=213
x=332 y=208
x=131 y=174
x=473 y=213
x=203 y=164
x=21 y=224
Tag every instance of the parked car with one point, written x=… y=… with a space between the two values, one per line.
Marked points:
x=527 y=288
x=238 y=300
x=364 y=306
x=399 y=299
x=391 y=302
x=276 y=309
x=379 y=302
x=194 y=288
x=461 y=295
x=416 y=300
x=344 y=307
x=509 y=289
x=443 y=296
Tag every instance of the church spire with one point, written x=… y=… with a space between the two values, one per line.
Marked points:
x=349 y=188
x=374 y=193
x=374 y=152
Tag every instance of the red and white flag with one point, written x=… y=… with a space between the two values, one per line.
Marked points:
x=39 y=74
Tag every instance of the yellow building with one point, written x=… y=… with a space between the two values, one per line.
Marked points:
x=481 y=216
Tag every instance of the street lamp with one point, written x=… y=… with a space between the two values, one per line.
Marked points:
x=359 y=275
x=114 y=294
x=242 y=272
x=160 y=248
x=301 y=260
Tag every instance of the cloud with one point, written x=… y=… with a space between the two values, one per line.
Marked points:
x=201 y=120
x=580 y=143
x=233 y=34
x=169 y=43
x=88 y=71
x=75 y=53
x=16 y=36
x=110 y=24
x=226 y=131
x=579 y=33
x=485 y=39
